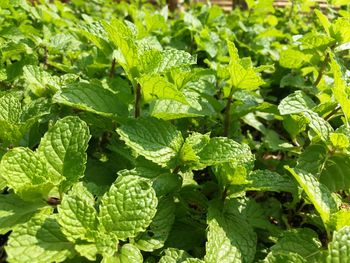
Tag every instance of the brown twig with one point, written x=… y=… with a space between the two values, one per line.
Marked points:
x=111 y=71
x=322 y=69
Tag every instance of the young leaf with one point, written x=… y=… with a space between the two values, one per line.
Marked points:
x=156 y=140
x=242 y=74
x=340 y=90
x=123 y=38
x=128 y=207
x=63 y=148
x=157 y=87
x=324 y=21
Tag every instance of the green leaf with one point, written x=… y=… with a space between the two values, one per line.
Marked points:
x=123 y=38
x=128 y=207
x=26 y=173
x=156 y=140
x=324 y=21
x=339 y=248
x=230 y=237
x=77 y=215
x=340 y=30
x=194 y=143
x=10 y=108
x=294 y=103
x=158 y=232
x=314 y=40
x=312 y=159
x=292 y=58
x=265 y=180
x=10 y=113
x=299 y=102
x=14 y=211
x=335 y=173
x=341 y=218
x=318 y=194
x=166 y=183
x=40 y=82
x=88 y=251
x=38 y=241
x=156 y=61
x=157 y=87
x=284 y=257
x=339 y=140
x=129 y=254
x=242 y=78
x=303 y=241
x=242 y=74
x=340 y=89
x=221 y=150
x=171 y=109
x=91 y=98
x=63 y=147
x=173 y=255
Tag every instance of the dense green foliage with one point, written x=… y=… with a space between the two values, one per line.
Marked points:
x=131 y=134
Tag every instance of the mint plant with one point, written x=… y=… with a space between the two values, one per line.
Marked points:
x=129 y=133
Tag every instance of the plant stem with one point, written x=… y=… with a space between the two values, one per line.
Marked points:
x=227 y=122
x=111 y=71
x=176 y=169
x=46 y=57
x=137 y=100
x=330 y=115
x=322 y=69
x=291 y=10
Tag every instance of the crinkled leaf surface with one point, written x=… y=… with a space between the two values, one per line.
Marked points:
x=302 y=241
x=130 y=254
x=155 y=237
x=15 y=211
x=156 y=140
x=173 y=255
x=339 y=248
x=157 y=87
x=318 y=194
x=39 y=241
x=128 y=207
x=223 y=150
x=26 y=173
x=63 y=149
x=77 y=215
x=92 y=98
x=230 y=237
